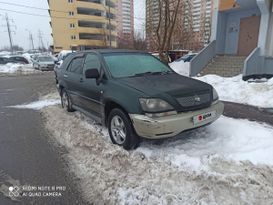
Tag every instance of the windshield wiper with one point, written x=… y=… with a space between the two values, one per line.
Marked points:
x=141 y=74
x=153 y=73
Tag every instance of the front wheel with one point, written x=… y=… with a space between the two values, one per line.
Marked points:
x=66 y=101
x=121 y=130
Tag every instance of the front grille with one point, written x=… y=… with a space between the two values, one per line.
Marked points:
x=50 y=66
x=195 y=100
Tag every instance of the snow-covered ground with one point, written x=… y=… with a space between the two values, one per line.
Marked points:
x=234 y=89
x=14 y=68
x=182 y=68
x=228 y=162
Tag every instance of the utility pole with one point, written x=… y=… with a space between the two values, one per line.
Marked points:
x=41 y=42
x=9 y=32
x=31 y=40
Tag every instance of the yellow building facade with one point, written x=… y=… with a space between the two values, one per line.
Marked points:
x=83 y=24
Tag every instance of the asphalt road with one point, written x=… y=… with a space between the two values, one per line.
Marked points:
x=26 y=155
x=29 y=158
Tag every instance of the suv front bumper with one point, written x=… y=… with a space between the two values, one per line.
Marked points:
x=163 y=127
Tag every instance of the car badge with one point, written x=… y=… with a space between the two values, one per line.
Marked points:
x=197 y=99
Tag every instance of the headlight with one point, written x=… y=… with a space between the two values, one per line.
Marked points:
x=215 y=95
x=153 y=105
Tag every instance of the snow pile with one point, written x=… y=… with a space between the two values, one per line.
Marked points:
x=38 y=105
x=234 y=89
x=17 y=68
x=5 y=53
x=227 y=138
x=27 y=56
x=182 y=68
x=210 y=165
x=45 y=101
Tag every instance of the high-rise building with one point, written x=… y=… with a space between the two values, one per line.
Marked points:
x=83 y=24
x=193 y=27
x=125 y=23
x=201 y=19
x=152 y=19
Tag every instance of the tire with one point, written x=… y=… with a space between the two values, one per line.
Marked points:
x=66 y=101
x=121 y=130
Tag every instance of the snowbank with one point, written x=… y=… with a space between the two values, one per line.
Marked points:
x=17 y=68
x=181 y=67
x=234 y=89
x=211 y=165
x=227 y=138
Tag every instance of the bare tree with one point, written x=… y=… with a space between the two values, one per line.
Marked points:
x=139 y=42
x=167 y=18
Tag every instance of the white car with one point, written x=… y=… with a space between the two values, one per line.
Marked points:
x=44 y=63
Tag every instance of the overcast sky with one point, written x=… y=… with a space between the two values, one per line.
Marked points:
x=22 y=22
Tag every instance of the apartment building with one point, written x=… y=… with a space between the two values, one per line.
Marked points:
x=125 y=23
x=241 y=40
x=193 y=27
x=201 y=20
x=83 y=24
x=152 y=19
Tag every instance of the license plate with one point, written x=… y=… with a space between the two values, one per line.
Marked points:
x=204 y=117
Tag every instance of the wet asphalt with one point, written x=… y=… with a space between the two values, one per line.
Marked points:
x=26 y=153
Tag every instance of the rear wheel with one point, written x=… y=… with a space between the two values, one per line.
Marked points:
x=121 y=130
x=66 y=101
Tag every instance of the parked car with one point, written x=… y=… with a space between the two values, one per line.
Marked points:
x=135 y=95
x=44 y=63
x=4 y=60
x=187 y=57
x=19 y=59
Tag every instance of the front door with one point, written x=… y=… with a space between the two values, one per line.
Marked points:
x=91 y=92
x=249 y=34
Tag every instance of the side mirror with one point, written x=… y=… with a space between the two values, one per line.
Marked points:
x=92 y=73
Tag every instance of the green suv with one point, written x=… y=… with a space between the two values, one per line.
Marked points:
x=135 y=95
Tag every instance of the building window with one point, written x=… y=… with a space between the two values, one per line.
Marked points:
x=73 y=37
x=70 y=1
x=72 y=25
x=71 y=13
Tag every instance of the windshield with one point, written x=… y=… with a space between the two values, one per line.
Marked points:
x=45 y=59
x=132 y=64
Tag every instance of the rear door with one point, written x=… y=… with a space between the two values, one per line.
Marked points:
x=91 y=92
x=73 y=77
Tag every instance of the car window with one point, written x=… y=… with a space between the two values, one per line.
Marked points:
x=76 y=66
x=130 y=64
x=44 y=59
x=92 y=61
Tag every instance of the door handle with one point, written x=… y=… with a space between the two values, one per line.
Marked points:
x=66 y=76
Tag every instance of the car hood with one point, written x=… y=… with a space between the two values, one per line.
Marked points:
x=171 y=84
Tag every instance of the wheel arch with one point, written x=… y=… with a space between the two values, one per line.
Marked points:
x=109 y=106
